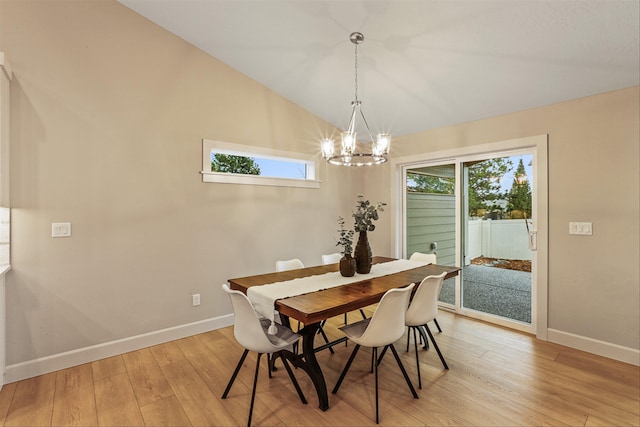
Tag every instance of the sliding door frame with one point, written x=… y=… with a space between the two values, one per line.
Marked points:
x=538 y=145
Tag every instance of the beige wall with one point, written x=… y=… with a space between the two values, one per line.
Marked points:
x=108 y=113
x=594 y=175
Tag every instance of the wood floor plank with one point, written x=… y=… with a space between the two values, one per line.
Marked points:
x=6 y=396
x=586 y=390
x=167 y=353
x=148 y=382
x=191 y=346
x=108 y=367
x=32 y=403
x=74 y=402
x=116 y=403
x=200 y=404
x=165 y=412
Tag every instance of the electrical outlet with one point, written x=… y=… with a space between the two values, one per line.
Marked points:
x=195 y=300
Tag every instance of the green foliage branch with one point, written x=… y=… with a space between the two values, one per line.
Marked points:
x=346 y=238
x=366 y=213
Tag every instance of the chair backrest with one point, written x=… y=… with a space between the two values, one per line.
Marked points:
x=419 y=256
x=424 y=305
x=388 y=320
x=289 y=264
x=331 y=258
x=247 y=327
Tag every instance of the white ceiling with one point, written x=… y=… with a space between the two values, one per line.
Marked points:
x=423 y=64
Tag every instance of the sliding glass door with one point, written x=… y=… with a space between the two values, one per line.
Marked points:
x=431 y=217
x=496 y=222
x=478 y=212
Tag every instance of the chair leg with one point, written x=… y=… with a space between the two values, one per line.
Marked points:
x=404 y=372
x=375 y=356
x=235 y=373
x=293 y=378
x=384 y=350
x=253 y=392
x=436 y=347
x=346 y=368
x=408 y=337
x=364 y=316
x=437 y=325
x=415 y=345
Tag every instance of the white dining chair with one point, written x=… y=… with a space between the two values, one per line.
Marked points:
x=332 y=259
x=431 y=259
x=385 y=327
x=294 y=264
x=423 y=308
x=251 y=332
x=289 y=264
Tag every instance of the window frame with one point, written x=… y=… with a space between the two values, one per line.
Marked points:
x=208 y=176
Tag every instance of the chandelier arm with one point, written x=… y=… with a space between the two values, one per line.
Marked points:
x=366 y=125
x=352 y=120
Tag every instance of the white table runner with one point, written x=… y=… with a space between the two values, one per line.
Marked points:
x=263 y=297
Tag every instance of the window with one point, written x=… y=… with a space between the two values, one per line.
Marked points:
x=229 y=163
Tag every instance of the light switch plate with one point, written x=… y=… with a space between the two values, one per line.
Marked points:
x=61 y=229
x=581 y=228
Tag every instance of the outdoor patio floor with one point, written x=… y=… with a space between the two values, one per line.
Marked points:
x=497 y=291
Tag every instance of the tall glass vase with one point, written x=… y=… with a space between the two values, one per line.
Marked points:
x=363 y=254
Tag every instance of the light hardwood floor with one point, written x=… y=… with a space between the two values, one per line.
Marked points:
x=497 y=377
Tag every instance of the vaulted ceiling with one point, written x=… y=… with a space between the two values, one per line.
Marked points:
x=423 y=64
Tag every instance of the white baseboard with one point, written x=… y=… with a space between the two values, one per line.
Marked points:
x=43 y=365
x=601 y=348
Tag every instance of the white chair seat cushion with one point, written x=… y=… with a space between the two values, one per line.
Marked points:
x=353 y=331
x=283 y=337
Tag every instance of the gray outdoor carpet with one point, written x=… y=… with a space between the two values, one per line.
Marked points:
x=498 y=291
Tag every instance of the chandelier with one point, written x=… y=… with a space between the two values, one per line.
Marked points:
x=351 y=152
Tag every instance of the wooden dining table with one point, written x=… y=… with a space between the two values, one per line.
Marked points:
x=314 y=307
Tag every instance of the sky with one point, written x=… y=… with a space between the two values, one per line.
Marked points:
x=507 y=179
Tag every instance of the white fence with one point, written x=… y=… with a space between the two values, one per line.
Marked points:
x=507 y=239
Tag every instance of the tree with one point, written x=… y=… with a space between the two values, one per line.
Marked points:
x=234 y=164
x=421 y=183
x=484 y=184
x=519 y=196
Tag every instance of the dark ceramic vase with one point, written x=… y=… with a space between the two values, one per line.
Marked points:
x=347 y=266
x=363 y=254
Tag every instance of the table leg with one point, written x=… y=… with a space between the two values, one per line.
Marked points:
x=308 y=362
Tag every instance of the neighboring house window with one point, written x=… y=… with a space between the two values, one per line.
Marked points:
x=224 y=162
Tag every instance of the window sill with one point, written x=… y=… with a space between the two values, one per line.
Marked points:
x=229 y=178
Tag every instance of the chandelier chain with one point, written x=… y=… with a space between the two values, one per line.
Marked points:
x=356 y=77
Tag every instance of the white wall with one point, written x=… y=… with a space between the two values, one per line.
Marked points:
x=108 y=115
